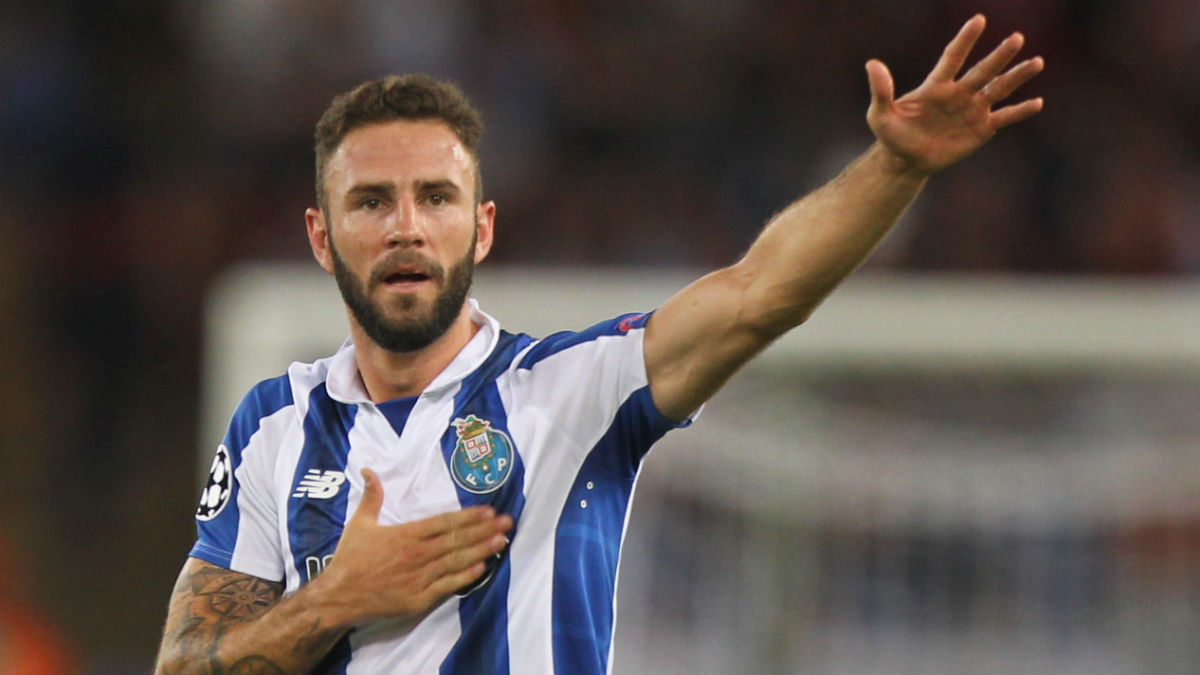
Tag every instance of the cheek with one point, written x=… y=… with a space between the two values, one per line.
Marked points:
x=354 y=236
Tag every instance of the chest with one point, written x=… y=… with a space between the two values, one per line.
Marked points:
x=432 y=454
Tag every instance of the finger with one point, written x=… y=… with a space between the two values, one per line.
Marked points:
x=470 y=536
x=473 y=534
x=436 y=526
x=1016 y=113
x=372 y=498
x=957 y=51
x=1003 y=86
x=462 y=558
x=991 y=65
x=443 y=586
x=883 y=88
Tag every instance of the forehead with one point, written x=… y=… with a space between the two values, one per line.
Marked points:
x=400 y=151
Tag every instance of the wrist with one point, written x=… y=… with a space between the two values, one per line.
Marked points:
x=895 y=164
x=326 y=599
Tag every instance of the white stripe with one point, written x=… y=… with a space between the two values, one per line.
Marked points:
x=256 y=551
x=547 y=462
x=416 y=485
x=552 y=465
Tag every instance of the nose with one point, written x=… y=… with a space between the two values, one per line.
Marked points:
x=404 y=229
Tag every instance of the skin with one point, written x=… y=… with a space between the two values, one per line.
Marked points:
x=380 y=185
x=406 y=188
x=398 y=189
x=220 y=621
x=703 y=334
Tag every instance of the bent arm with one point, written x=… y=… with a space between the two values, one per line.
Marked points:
x=221 y=621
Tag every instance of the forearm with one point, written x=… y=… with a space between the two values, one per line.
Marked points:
x=224 y=622
x=817 y=241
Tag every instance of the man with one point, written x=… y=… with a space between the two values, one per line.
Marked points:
x=489 y=474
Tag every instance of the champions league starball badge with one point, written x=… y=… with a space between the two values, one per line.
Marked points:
x=483 y=456
x=217 y=489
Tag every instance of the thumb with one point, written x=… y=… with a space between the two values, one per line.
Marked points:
x=372 y=497
x=882 y=88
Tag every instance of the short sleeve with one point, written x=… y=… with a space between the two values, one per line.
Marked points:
x=236 y=519
x=594 y=384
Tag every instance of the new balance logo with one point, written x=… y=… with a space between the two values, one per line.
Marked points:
x=319 y=484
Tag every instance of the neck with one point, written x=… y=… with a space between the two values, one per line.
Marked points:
x=389 y=375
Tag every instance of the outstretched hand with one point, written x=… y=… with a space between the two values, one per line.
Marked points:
x=945 y=119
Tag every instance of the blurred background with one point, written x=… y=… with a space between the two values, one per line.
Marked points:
x=148 y=149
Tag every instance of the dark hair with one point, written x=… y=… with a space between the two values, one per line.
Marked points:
x=397 y=97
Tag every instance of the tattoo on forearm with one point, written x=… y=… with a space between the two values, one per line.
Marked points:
x=242 y=599
x=209 y=602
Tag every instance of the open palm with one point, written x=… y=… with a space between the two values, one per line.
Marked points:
x=946 y=119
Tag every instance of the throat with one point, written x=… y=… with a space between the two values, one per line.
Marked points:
x=388 y=375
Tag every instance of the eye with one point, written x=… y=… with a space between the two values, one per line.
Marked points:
x=437 y=199
x=371 y=203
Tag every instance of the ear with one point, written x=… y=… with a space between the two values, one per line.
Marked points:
x=318 y=238
x=485 y=223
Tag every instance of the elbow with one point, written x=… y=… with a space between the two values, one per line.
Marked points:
x=770 y=306
x=768 y=313
x=166 y=665
x=172 y=659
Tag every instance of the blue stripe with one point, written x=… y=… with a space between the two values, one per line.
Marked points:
x=588 y=538
x=315 y=525
x=553 y=344
x=483 y=614
x=217 y=537
x=397 y=410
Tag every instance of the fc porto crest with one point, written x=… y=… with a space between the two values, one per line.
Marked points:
x=483 y=456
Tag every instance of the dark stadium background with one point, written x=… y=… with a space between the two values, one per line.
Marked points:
x=145 y=146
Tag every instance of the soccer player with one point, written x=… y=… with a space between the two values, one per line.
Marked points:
x=441 y=495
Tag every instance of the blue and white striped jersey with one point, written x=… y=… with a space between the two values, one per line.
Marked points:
x=550 y=431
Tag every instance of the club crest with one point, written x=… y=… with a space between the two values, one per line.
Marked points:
x=483 y=456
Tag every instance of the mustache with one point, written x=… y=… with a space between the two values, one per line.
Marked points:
x=410 y=262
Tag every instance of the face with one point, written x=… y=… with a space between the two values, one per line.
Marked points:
x=402 y=232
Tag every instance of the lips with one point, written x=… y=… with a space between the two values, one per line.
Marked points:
x=404 y=280
x=405 y=277
x=405 y=270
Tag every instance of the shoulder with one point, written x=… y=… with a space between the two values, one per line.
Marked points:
x=263 y=400
x=626 y=327
x=276 y=397
x=268 y=396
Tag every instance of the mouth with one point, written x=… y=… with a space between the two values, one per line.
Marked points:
x=403 y=278
x=404 y=282
x=404 y=272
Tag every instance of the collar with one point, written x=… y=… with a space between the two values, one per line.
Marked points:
x=345 y=384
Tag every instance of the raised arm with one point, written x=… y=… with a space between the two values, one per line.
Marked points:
x=221 y=621
x=703 y=334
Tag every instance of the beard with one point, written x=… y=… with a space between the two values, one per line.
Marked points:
x=410 y=333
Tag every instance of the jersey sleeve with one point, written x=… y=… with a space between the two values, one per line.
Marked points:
x=594 y=384
x=236 y=520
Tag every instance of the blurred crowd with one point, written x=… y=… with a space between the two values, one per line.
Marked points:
x=146 y=146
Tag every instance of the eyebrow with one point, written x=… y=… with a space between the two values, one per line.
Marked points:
x=445 y=184
x=363 y=189
x=388 y=190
